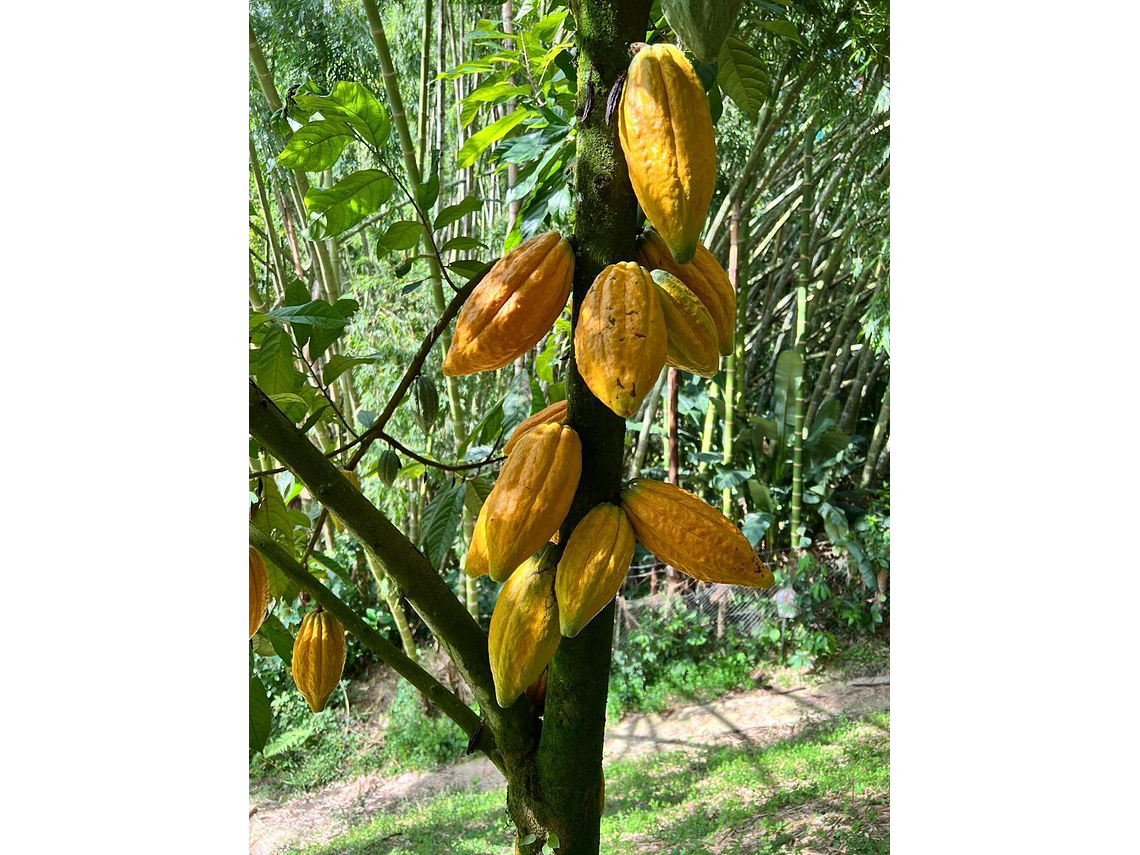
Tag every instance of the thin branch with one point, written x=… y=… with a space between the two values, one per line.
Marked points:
x=447 y=467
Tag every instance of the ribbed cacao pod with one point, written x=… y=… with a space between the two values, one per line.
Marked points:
x=352 y=479
x=703 y=276
x=258 y=591
x=531 y=497
x=692 y=344
x=620 y=341
x=475 y=564
x=666 y=133
x=691 y=535
x=425 y=403
x=592 y=566
x=318 y=657
x=513 y=307
x=524 y=627
x=388 y=467
x=536 y=692
x=703 y=25
x=554 y=414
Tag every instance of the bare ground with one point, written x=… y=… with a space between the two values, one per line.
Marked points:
x=754 y=718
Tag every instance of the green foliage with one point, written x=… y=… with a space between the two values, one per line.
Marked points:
x=414 y=739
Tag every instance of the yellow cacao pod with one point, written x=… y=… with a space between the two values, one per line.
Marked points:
x=593 y=566
x=554 y=414
x=692 y=344
x=536 y=692
x=703 y=276
x=620 y=341
x=666 y=133
x=352 y=479
x=318 y=657
x=513 y=307
x=531 y=497
x=524 y=627
x=691 y=535
x=258 y=591
x=476 y=563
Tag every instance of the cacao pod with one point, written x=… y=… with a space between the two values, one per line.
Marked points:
x=692 y=340
x=536 y=692
x=554 y=414
x=524 y=627
x=703 y=25
x=620 y=341
x=318 y=657
x=592 y=566
x=425 y=403
x=475 y=564
x=352 y=479
x=388 y=467
x=691 y=535
x=666 y=133
x=513 y=307
x=531 y=497
x=703 y=276
x=258 y=591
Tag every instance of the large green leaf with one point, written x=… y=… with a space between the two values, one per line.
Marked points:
x=451 y=213
x=338 y=364
x=322 y=337
x=260 y=715
x=316 y=313
x=493 y=92
x=356 y=105
x=279 y=637
x=476 y=143
x=316 y=146
x=347 y=202
x=402 y=235
x=789 y=369
x=441 y=523
x=276 y=373
x=742 y=75
x=785 y=29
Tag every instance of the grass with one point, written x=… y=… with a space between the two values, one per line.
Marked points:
x=824 y=790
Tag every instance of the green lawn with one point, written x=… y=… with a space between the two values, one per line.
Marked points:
x=827 y=789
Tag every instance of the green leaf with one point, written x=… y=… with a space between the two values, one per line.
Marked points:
x=334 y=568
x=411 y=471
x=292 y=405
x=316 y=146
x=462 y=242
x=322 y=337
x=256 y=319
x=493 y=92
x=402 y=235
x=478 y=489
x=552 y=839
x=279 y=637
x=789 y=370
x=451 y=213
x=468 y=268
x=358 y=106
x=260 y=715
x=338 y=364
x=289 y=740
x=275 y=370
x=730 y=478
x=316 y=313
x=755 y=526
x=487 y=429
x=785 y=29
x=441 y=523
x=346 y=203
x=476 y=143
x=742 y=75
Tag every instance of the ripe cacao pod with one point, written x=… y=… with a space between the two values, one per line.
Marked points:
x=318 y=657
x=532 y=496
x=425 y=403
x=258 y=591
x=666 y=133
x=703 y=25
x=352 y=479
x=554 y=414
x=620 y=341
x=388 y=467
x=475 y=564
x=592 y=566
x=692 y=339
x=536 y=692
x=703 y=276
x=524 y=627
x=691 y=535
x=513 y=307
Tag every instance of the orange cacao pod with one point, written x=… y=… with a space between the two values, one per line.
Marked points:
x=691 y=535
x=620 y=341
x=476 y=563
x=666 y=133
x=531 y=497
x=593 y=566
x=513 y=307
x=524 y=627
x=318 y=657
x=554 y=414
x=703 y=276
x=258 y=591
x=692 y=344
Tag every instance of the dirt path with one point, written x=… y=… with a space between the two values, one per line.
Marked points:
x=758 y=717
